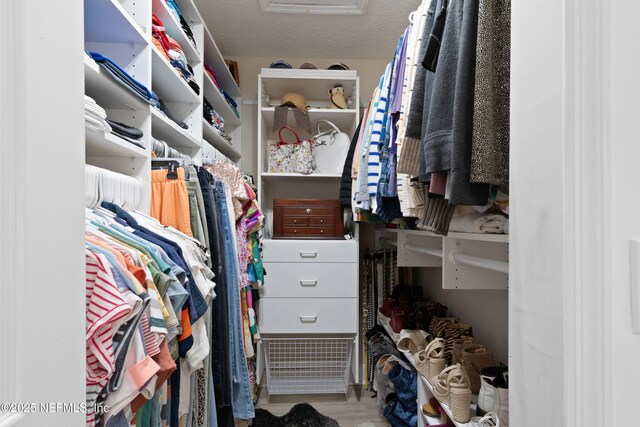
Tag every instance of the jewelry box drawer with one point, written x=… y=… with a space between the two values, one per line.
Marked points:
x=302 y=280
x=308 y=315
x=310 y=232
x=310 y=251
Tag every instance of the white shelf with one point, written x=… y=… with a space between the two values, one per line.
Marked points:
x=213 y=57
x=165 y=129
x=174 y=30
x=345 y=120
x=483 y=237
x=106 y=21
x=212 y=137
x=313 y=84
x=100 y=144
x=285 y=175
x=219 y=103
x=108 y=93
x=167 y=83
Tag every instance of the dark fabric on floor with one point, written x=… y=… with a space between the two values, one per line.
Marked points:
x=301 y=415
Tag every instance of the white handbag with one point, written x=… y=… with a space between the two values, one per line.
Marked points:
x=330 y=148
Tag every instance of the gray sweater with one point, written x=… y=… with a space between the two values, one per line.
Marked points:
x=448 y=107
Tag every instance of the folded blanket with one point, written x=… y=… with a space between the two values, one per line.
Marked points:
x=479 y=223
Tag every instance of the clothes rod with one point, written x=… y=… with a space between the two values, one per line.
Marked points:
x=488 y=264
x=385 y=241
x=422 y=250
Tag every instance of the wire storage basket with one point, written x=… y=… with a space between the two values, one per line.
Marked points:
x=307 y=365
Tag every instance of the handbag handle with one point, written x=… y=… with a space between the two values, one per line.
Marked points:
x=327 y=131
x=282 y=142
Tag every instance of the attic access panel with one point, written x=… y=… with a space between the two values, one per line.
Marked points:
x=320 y=7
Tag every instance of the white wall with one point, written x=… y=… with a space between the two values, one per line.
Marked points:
x=369 y=72
x=487 y=311
x=621 y=368
x=42 y=303
x=536 y=343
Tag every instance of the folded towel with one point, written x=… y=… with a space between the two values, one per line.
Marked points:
x=479 y=223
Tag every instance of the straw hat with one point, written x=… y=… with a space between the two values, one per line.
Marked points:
x=293 y=99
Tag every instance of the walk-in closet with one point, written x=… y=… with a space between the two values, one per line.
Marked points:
x=327 y=213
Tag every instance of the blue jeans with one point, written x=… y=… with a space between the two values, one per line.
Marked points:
x=242 y=401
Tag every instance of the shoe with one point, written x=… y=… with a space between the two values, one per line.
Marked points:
x=491 y=419
x=494 y=393
x=458 y=343
x=474 y=358
x=387 y=306
x=397 y=320
x=337 y=98
x=390 y=359
x=406 y=387
x=412 y=341
x=389 y=411
x=451 y=388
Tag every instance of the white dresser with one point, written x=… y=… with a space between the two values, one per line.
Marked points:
x=313 y=287
x=309 y=316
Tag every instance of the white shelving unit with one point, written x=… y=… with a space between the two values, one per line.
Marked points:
x=100 y=144
x=121 y=31
x=343 y=119
x=213 y=138
x=425 y=389
x=168 y=84
x=321 y=274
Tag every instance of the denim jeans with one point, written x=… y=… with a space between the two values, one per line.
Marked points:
x=220 y=363
x=242 y=401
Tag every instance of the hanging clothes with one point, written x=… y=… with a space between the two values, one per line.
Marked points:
x=169 y=324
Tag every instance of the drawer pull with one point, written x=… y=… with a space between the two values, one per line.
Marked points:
x=308 y=282
x=295 y=231
x=308 y=254
x=322 y=221
x=308 y=319
x=295 y=221
x=321 y=231
x=308 y=210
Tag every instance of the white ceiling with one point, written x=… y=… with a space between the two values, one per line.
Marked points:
x=241 y=29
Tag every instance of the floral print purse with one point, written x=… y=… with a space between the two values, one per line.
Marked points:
x=296 y=157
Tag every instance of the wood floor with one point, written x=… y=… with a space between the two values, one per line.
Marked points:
x=358 y=408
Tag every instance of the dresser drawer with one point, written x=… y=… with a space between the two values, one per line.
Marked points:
x=305 y=280
x=310 y=251
x=308 y=315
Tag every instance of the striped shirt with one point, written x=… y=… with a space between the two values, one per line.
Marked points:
x=106 y=309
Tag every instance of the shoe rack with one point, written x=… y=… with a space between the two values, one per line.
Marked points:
x=465 y=271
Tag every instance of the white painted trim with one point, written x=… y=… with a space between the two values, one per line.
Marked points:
x=12 y=188
x=587 y=301
x=11 y=419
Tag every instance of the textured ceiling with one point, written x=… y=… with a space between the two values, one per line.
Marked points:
x=241 y=29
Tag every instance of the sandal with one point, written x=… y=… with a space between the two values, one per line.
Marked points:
x=412 y=340
x=489 y=420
